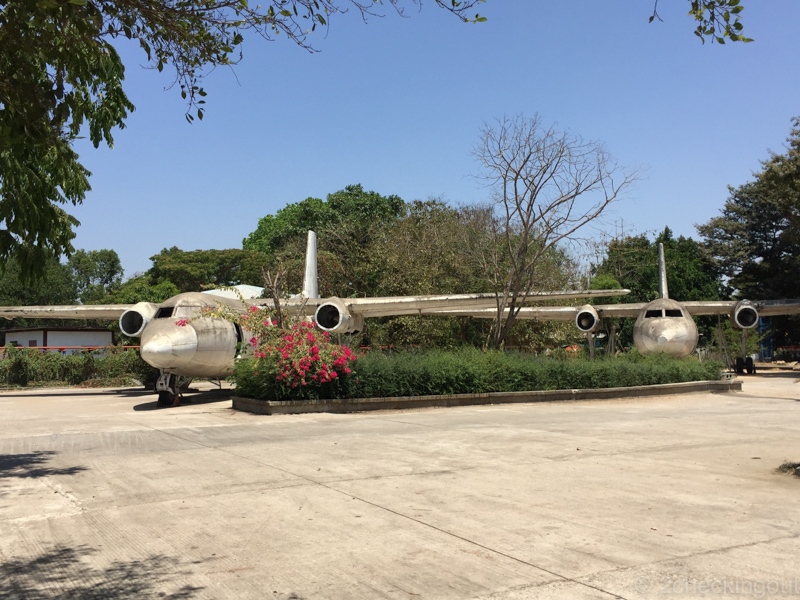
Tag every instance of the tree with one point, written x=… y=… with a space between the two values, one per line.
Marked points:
x=60 y=74
x=717 y=20
x=139 y=289
x=633 y=262
x=420 y=253
x=346 y=223
x=755 y=241
x=55 y=287
x=96 y=273
x=545 y=186
x=197 y=270
x=292 y=222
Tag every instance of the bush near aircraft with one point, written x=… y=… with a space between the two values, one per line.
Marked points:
x=472 y=371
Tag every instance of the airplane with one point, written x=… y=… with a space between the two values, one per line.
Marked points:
x=662 y=325
x=207 y=347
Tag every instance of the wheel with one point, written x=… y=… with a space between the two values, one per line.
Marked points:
x=739 y=365
x=750 y=366
x=165 y=398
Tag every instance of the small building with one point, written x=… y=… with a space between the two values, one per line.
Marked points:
x=66 y=340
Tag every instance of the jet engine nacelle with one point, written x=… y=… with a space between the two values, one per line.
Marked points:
x=334 y=316
x=744 y=315
x=133 y=321
x=587 y=319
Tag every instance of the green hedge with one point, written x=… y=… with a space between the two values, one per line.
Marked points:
x=25 y=366
x=470 y=371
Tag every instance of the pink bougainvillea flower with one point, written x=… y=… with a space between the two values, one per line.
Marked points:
x=182 y=322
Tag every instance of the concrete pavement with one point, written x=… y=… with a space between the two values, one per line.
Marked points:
x=104 y=496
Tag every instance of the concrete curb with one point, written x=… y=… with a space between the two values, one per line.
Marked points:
x=268 y=407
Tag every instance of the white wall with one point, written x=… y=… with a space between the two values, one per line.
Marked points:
x=22 y=338
x=60 y=338
x=78 y=338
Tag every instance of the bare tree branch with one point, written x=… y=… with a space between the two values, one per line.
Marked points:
x=545 y=185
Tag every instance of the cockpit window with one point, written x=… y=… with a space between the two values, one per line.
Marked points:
x=652 y=314
x=165 y=312
x=673 y=312
x=186 y=311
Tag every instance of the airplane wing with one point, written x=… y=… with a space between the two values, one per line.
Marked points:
x=466 y=304
x=765 y=308
x=550 y=313
x=88 y=311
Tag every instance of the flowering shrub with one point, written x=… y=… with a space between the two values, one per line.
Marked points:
x=297 y=361
x=304 y=355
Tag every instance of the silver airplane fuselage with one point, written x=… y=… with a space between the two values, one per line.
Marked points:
x=203 y=347
x=664 y=325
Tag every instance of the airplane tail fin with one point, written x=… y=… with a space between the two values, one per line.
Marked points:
x=310 y=289
x=663 y=292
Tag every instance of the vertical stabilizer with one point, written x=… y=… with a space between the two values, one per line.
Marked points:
x=663 y=292
x=310 y=289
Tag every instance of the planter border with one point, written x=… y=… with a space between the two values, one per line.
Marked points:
x=270 y=407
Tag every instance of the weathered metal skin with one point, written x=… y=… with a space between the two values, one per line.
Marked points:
x=135 y=319
x=204 y=347
x=665 y=326
x=745 y=315
x=334 y=316
x=587 y=319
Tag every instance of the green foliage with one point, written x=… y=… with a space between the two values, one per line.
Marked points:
x=96 y=273
x=351 y=227
x=717 y=20
x=199 y=270
x=56 y=74
x=25 y=366
x=755 y=241
x=352 y=208
x=633 y=262
x=470 y=371
x=60 y=75
x=292 y=358
x=56 y=286
x=139 y=289
x=416 y=248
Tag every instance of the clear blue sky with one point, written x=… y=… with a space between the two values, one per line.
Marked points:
x=397 y=104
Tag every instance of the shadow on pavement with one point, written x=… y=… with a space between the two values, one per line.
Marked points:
x=67 y=573
x=32 y=391
x=774 y=373
x=190 y=398
x=28 y=465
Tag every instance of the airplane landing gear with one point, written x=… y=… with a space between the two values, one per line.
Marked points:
x=168 y=389
x=745 y=363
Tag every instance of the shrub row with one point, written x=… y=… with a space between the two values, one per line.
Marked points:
x=470 y=370
x=24 y=366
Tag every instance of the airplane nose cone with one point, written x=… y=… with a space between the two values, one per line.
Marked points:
x=169 y=347
x=662 y=340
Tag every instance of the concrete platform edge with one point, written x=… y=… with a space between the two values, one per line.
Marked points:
x=268 y=407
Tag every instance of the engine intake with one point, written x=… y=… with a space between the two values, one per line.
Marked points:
x=133 y=321
x=334 y=316
x=587 y=319
x=745 y=315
